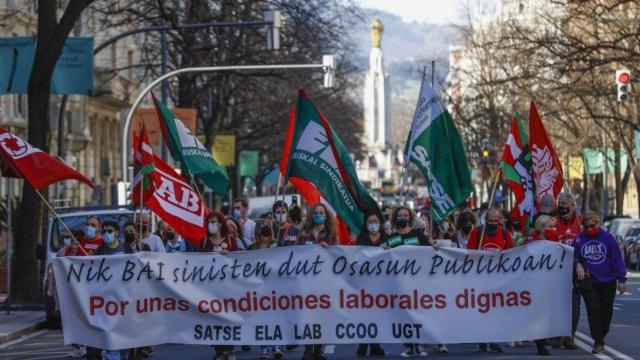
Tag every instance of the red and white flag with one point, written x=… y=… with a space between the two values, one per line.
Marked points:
x=19 y=159
x=547 y=171
x=168 y=194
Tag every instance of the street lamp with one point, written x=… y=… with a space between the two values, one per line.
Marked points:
x=327 y=65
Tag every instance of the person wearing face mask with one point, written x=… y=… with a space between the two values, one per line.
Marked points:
x=239 y=211
x=154 y=241
x=371 y=234
x=111 y=237
x=405 y=234
x=444 y=234
x=219 y=238
x=286 y=234
x=494 y=238
x=132 y=242
x=387 y=212
x=173 y=242
x=599 y=268
x=265 y=239
x=466 y=223
x=569 y=223
x=319 y=228
x=92 y=239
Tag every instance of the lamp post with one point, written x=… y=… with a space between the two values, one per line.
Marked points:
x=328 y=65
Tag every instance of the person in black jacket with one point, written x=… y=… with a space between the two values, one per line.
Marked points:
x=371 y=234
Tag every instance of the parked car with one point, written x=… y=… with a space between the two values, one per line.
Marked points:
x=74 y=218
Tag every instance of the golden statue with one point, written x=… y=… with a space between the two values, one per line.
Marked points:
x=376 y=33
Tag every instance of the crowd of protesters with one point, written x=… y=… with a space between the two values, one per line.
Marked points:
x=597 y=274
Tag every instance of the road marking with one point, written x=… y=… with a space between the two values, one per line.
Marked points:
x=615 y=352
x=329 y=349
x=24 y=338
x=587 y=348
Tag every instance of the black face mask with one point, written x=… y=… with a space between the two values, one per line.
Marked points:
x=517 y=226
x=492 y=228
x=171 y=236
x=129 y=238
x=142 y=228
x=387 y=217
x=265 y=231
x=563 y=211
x=402 y=223
x=467 y=228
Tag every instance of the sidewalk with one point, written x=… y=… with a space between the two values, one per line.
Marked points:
x=19 y=323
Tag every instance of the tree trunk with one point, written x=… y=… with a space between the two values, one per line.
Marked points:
x=586 y=203
x=636 y=176
x=51 y=38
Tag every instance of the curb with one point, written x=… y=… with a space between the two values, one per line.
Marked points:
x=5 y=338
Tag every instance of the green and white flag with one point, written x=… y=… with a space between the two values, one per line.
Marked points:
x=435 y=147
x=187 y=149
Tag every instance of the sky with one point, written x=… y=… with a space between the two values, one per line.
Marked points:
x=429 y=11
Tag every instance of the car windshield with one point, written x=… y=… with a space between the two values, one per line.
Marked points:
x=77 y=222
x=635 y=231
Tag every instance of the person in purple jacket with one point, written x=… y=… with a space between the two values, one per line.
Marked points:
x=599 y=268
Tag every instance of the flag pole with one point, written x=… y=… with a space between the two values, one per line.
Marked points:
x=493 y=193
x=55 y=213
x=406 y=157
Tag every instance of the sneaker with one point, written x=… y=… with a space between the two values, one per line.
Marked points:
x=408 y=352
x=442 y=348
x=512 y=344
x=230 y=355
x=264 y=353
x=77 y=352
x=420 y=349
x=569 y=343
x=544 y=352
x=496 y=348
x=277 y=352
x=482 y=347
x=245 y=348
x=597 y=349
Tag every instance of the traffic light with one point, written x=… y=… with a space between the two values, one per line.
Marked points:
x=485 y=153
x=623 y=80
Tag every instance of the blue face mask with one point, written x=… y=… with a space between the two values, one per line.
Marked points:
x=108 y=238
x=318 y=219
x=90 y=232
x=237 y=214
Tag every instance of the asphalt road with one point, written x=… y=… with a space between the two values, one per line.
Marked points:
x=622 y=342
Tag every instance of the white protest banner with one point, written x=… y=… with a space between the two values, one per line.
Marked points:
x=310 y=294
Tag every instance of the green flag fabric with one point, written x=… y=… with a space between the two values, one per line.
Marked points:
x=435 y=147
x=187 y=149
x=248 y=163
x=317 y=155
x=594 y=159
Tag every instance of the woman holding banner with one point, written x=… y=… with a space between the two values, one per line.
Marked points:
x=265 y=239
x=319 y=228
x=405 y=234
x=219 y=240
x=371 y=234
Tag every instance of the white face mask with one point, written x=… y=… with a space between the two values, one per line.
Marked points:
x=67 y=241
x=280 y=217
x=444 y=226
x=373 y=227
x=213 y=228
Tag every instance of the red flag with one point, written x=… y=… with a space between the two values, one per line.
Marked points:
x=547 y=171
x=168 y=194
x=19 y=159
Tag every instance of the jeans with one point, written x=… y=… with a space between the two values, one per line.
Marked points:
x=599 y=301
x=575 y=310
x=115 y=354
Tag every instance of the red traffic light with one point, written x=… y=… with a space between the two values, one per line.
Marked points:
x=623 y=78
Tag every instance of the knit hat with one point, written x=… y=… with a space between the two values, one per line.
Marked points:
x=547 y=203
